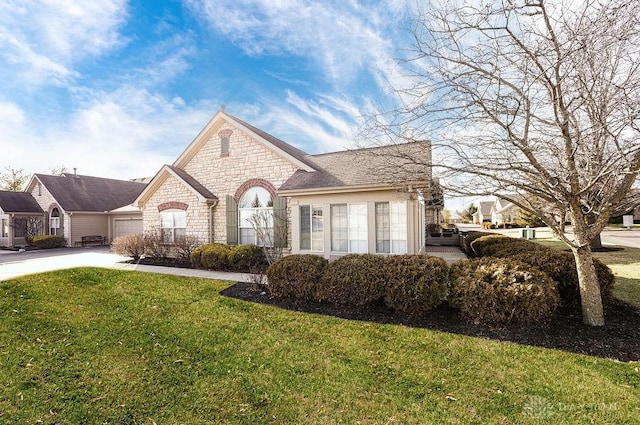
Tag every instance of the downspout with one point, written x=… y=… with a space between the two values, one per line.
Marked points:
x=211 y=239
x=69 y=241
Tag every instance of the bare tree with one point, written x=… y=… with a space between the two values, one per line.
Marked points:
x=534 y=101
x=13 y=179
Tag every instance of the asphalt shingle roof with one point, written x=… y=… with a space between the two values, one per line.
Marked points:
x=380 y=165
x=195 y=184
x=91 y=194
x=15 y=202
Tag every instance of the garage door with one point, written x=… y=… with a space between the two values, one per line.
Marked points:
x=125 y=227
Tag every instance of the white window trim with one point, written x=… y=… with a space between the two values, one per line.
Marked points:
x=351 y=229
x=316 y=238
x=173 y=227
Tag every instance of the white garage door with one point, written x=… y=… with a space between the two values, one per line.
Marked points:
x=125 y=227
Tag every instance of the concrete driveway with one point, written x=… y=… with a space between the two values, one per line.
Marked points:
x=14 y=264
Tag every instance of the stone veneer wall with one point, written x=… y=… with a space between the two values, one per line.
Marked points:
x=223 y=175
x=45 y=199
x=173 y=190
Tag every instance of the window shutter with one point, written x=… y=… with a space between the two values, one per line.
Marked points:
x=232 y=221
x=280 y=221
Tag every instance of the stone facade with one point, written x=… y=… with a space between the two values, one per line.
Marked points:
x=223 y=173
x=47 y=202
x=174 y=191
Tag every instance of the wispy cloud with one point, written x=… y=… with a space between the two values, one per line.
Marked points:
x=342 y=37
x=123 y=134
x=43 y=39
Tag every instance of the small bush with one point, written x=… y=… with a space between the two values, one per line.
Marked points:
x=468 y=239
x=129 y=246
x=499 y=291
x=154 y=245
x=48 y=241
x=355 y=279
x=245 y=257
x=503 y=246
x=415 y=283
x=184 y=246
x=296 y=276
x=561 y=268
x=213 y=256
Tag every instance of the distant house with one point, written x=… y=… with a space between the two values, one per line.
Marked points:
x=483 y=214
x=328 y=204
x=77 y=206
x=504 y=212
x=20 y=216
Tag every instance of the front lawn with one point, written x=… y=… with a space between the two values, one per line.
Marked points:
x=103 y=346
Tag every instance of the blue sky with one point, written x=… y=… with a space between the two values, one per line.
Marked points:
x=117 y=88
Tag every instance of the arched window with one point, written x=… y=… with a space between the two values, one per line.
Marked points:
x=255 y=213
x=54 y=222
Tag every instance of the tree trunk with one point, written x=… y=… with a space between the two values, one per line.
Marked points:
x=596 y=243
x=592 y=311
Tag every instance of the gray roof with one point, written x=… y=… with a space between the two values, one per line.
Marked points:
x=18 y=202
x=485 y=207
x=195 y=184
x=393 y=164
x=90 y=194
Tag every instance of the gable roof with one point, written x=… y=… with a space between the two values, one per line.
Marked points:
x=18 y=202
x=191 y=183
x=485 y=207
x=379 y=166
x=76 y=193
x=283 y=149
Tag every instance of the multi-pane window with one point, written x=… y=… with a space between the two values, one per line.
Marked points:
x=4 y=228
x=311 y=228
x=173 y=225
x=391 y=227
x=255 y=222
x=349 y=228
x=54 y=222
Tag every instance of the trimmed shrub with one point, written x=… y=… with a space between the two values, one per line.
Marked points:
x=48 y=241
x=296 y=276
x=244 y=257
x=355 y=279
x=213 y=256
x=500 y=291
x=503 y=246
x=468 y=239
x=129 y=246
x=561 y=268
x=415 y=283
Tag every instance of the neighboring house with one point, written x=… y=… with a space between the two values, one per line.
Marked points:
x=20 y=216
x=77 y=206
x=483 y=214
x=328 y=204
x=503 y=212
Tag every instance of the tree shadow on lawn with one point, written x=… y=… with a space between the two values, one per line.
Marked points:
x=619 y=339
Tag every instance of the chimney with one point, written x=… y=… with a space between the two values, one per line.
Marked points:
x=75 y=173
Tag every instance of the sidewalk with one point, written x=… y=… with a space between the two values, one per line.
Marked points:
x=21 y=264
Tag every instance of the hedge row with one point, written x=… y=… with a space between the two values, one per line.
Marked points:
x=47 y=241
x=409 y=283
x=238 y=258
x=559 y=266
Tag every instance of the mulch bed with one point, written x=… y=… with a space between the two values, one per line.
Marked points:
x=619 y=339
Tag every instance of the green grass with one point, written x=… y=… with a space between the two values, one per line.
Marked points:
x=103 y=346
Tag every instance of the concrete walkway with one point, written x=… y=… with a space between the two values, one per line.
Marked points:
x=14 y=264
